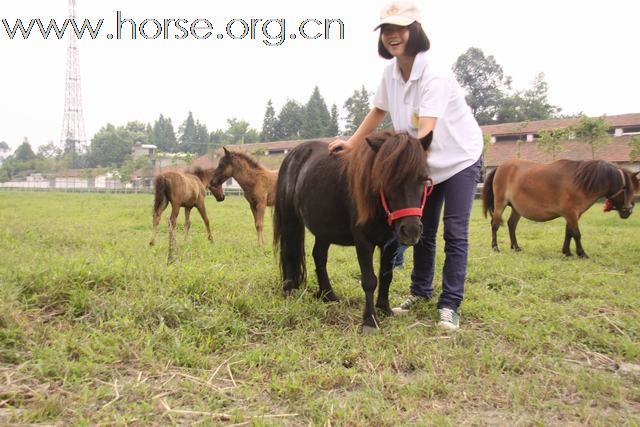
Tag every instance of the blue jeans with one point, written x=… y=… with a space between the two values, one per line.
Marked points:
x=398 y=261
x=456 y=194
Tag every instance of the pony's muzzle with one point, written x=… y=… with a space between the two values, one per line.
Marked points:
x=625 y=212
x=409 y=230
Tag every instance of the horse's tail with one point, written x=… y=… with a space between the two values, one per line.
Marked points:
x=161 y=185
x=487 y=194
x=288 y=227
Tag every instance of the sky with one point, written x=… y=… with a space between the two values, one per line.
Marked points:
x=588 y=52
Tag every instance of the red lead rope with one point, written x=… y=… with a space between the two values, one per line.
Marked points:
x=401 y=213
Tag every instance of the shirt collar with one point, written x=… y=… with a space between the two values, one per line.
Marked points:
x=419 y=64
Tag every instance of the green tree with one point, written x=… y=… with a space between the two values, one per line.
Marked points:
x=110 y=146
x=290 y=121
x=550 y=141
x=531 y=104
x=484 y=81
x=269 y=124
x=163 y=135
x=24 y=152
x=49 y=151
x=187 y=134
x=316 y=117
x=240 y=132
x=334 y=125
x=130 y=165
x=634 y=143
x=4 y=148
x=357 y=106
x=593 y=131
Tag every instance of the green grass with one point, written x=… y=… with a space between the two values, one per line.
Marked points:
x=95 y=328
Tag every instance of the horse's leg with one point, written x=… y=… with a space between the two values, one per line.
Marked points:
x=572 y=227
x=496 y=220
x=364 y=249
x=320 y=251
x=175 y=210
x=157 y=214
x=258 y=216
x=385 y=275
x=187 y=222
x=203 y=213
x=566 y=246
x=513 y=223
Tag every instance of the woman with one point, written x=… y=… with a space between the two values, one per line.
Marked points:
x=421 y=97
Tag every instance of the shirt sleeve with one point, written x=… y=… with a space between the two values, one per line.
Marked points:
x=381 y=98
x=434 y=97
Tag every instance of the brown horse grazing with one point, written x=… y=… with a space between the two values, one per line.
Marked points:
x=257 y=182
x=358 y=199
x=185 y=190
x=564 y=188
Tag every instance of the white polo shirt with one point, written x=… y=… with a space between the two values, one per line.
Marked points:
x=432 y=91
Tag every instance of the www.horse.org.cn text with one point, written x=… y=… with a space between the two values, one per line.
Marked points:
x=271 y=31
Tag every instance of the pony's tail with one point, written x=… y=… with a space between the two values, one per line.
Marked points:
x=288 y=231
x=162 y=189
x=487 y=194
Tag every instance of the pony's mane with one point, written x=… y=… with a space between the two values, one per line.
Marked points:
x=596 y=176
x=398 y=159
x=253 y=163
x=200 y=172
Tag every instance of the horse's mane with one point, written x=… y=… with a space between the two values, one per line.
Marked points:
x=596 y=176
x=253 y=163
x=398 y=159
x=200 y=172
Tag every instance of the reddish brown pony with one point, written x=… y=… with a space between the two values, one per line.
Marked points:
x=257 y=182
x=187 y=190
x=564 y=188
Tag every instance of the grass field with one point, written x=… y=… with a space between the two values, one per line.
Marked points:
x=95 y=328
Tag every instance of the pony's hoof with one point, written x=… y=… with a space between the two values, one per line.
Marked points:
x=495 y=249
x=288 y=287
x=583 y=256
x=385 y=309
x=516 y=249
x=368 y=330
x=152 y=243
x=327 y=296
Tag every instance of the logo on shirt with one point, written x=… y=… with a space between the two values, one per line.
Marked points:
x=415 y=121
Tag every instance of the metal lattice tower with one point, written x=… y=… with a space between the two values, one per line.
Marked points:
x=73 y=136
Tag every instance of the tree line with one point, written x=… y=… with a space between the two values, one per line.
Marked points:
x=489 y=93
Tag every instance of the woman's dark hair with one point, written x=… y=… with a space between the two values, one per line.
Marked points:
x=418 y=41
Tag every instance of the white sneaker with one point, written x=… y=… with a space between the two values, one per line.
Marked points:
x=449 y=319
x=411 y=301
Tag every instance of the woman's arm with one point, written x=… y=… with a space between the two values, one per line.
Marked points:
x=368 y=125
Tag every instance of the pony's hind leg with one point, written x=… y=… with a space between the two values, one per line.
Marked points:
x=175 y=210
x=513 y=223
x=320 y=255
x=499 y=204
x=187 y=223
x=496 y=220
x=154 y=232
x=157 y=214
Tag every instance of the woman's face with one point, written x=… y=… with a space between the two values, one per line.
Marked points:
x=395 y=39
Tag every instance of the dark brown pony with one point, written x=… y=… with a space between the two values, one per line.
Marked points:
x=345 y=200
x=187 y=190
x=564 y=188
x=257 y=182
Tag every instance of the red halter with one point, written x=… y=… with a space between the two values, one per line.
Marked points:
x=401 y=213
